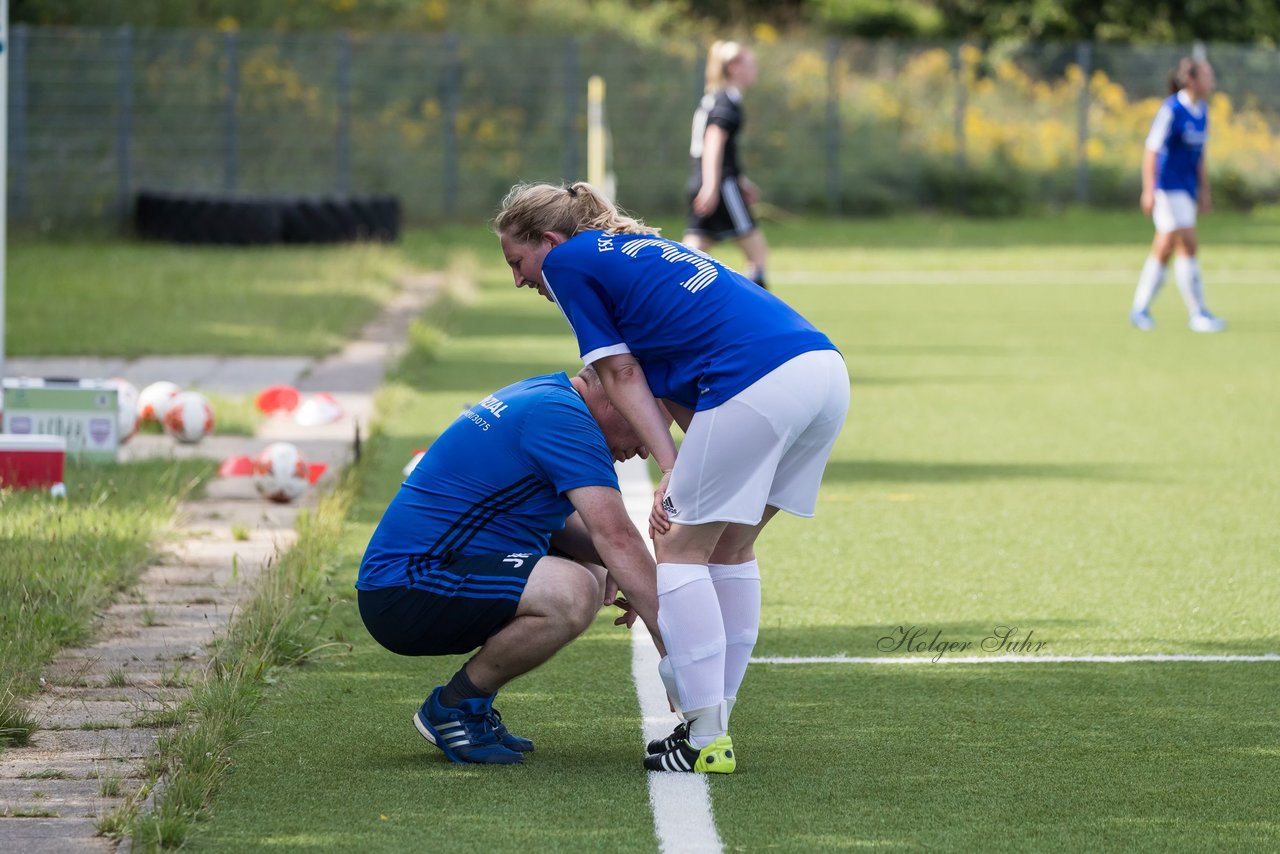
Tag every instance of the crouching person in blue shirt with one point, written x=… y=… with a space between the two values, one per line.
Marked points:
x=509 y=535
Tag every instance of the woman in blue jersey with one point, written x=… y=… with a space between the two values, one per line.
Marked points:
x=1175 y=185
x=760 y=394
x=720 y=193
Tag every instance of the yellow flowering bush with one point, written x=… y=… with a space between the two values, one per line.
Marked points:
x=1014 y=122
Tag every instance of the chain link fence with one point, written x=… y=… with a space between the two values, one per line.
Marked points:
x=449 y=123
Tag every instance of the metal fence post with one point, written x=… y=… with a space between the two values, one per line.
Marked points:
x=1084 y=58
x=571 y=109
x=124 y=122
x=449 y=125
x=17 y=122
x=961 y=104
x=344 y=114
x=833 y=126
x=229 y=165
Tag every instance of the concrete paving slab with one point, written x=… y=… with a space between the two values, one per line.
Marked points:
x=193 y=594
x=69 y=367
x=65 y=797
x=54 y=836
x=91 y=744
x=67 y=713
x=186 y=371
x=251 y=374
x=137 y=693
x=39 y=767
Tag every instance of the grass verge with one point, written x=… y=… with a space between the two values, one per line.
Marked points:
x=64 y=560
x=282 y=301
x=280 y=625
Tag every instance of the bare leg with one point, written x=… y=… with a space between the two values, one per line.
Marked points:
x=1186 y=271
x=560 y=600
x=757 y=252
x=697 y=241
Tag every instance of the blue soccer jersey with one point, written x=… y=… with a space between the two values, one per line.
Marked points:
x=701 y=332
x=1178 y=136
x=493 y=482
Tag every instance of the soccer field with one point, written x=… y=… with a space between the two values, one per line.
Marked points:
x=1018 y=464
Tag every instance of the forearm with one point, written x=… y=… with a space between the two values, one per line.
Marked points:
x=575 y=540
x=712 y=156
x=629 y=392
x=632 y=567
x=1203 y=176
x=1148 y=170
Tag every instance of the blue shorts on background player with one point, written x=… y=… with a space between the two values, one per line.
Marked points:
x=509 y=535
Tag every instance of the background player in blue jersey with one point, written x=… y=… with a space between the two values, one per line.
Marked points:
x=720 y=193
x=1175 y=185
x=498 y=539
x=760 y=394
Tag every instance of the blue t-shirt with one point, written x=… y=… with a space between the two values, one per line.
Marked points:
x=1178 y=135
x=701 y=332
x=494 y=481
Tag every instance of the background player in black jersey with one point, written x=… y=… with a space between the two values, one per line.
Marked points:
x=720 y=194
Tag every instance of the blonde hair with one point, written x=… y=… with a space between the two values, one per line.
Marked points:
x=531 y=210
x=719 y=58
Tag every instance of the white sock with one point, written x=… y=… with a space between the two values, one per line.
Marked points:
x=706 y=725
x=689 y=619
x=1186 y=272
x=738 y=589
x=668 y=676
x=1149 y=282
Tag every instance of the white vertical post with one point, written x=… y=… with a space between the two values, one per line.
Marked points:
x=4 y=164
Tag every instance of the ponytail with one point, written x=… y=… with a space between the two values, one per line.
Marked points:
x=531 y=210
x=719 y=57
x=1188 y=69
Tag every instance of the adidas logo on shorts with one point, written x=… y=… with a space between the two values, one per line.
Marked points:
x=668 y=506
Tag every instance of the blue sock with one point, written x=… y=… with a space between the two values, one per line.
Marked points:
x=460 y=689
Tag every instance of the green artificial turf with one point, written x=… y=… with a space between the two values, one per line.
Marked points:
x=1015 y=456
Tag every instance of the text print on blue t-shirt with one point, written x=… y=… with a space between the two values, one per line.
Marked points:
x=705 y=272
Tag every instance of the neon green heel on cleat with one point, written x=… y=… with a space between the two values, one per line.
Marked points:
x=716 y=758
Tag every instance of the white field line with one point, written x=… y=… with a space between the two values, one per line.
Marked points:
x=996 y=658
x=1042 y=276
x=681 y=803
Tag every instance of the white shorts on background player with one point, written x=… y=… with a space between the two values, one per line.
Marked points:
x=1173 y=210
x=766 y=445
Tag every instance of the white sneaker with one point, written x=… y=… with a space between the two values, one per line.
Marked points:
x=1142 y=320
x=1206 y=322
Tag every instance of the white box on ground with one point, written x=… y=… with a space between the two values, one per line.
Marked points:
x=82 y=411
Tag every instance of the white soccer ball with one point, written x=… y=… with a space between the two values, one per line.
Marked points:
x=280 y=472
x=189 y=417
x=127 y=413
x=155 y=400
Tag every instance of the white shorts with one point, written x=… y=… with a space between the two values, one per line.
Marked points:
x=1173 y=210
x=766 y=445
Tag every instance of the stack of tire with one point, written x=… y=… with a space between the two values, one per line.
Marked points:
x=247 y=221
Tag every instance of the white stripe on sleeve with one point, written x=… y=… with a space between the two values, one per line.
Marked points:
x=1160 y=129
x=601 y=352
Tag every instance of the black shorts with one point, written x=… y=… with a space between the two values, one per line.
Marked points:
x=730 y=220
x=455 y=607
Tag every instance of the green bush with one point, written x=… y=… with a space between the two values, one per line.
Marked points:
x=988 y=191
